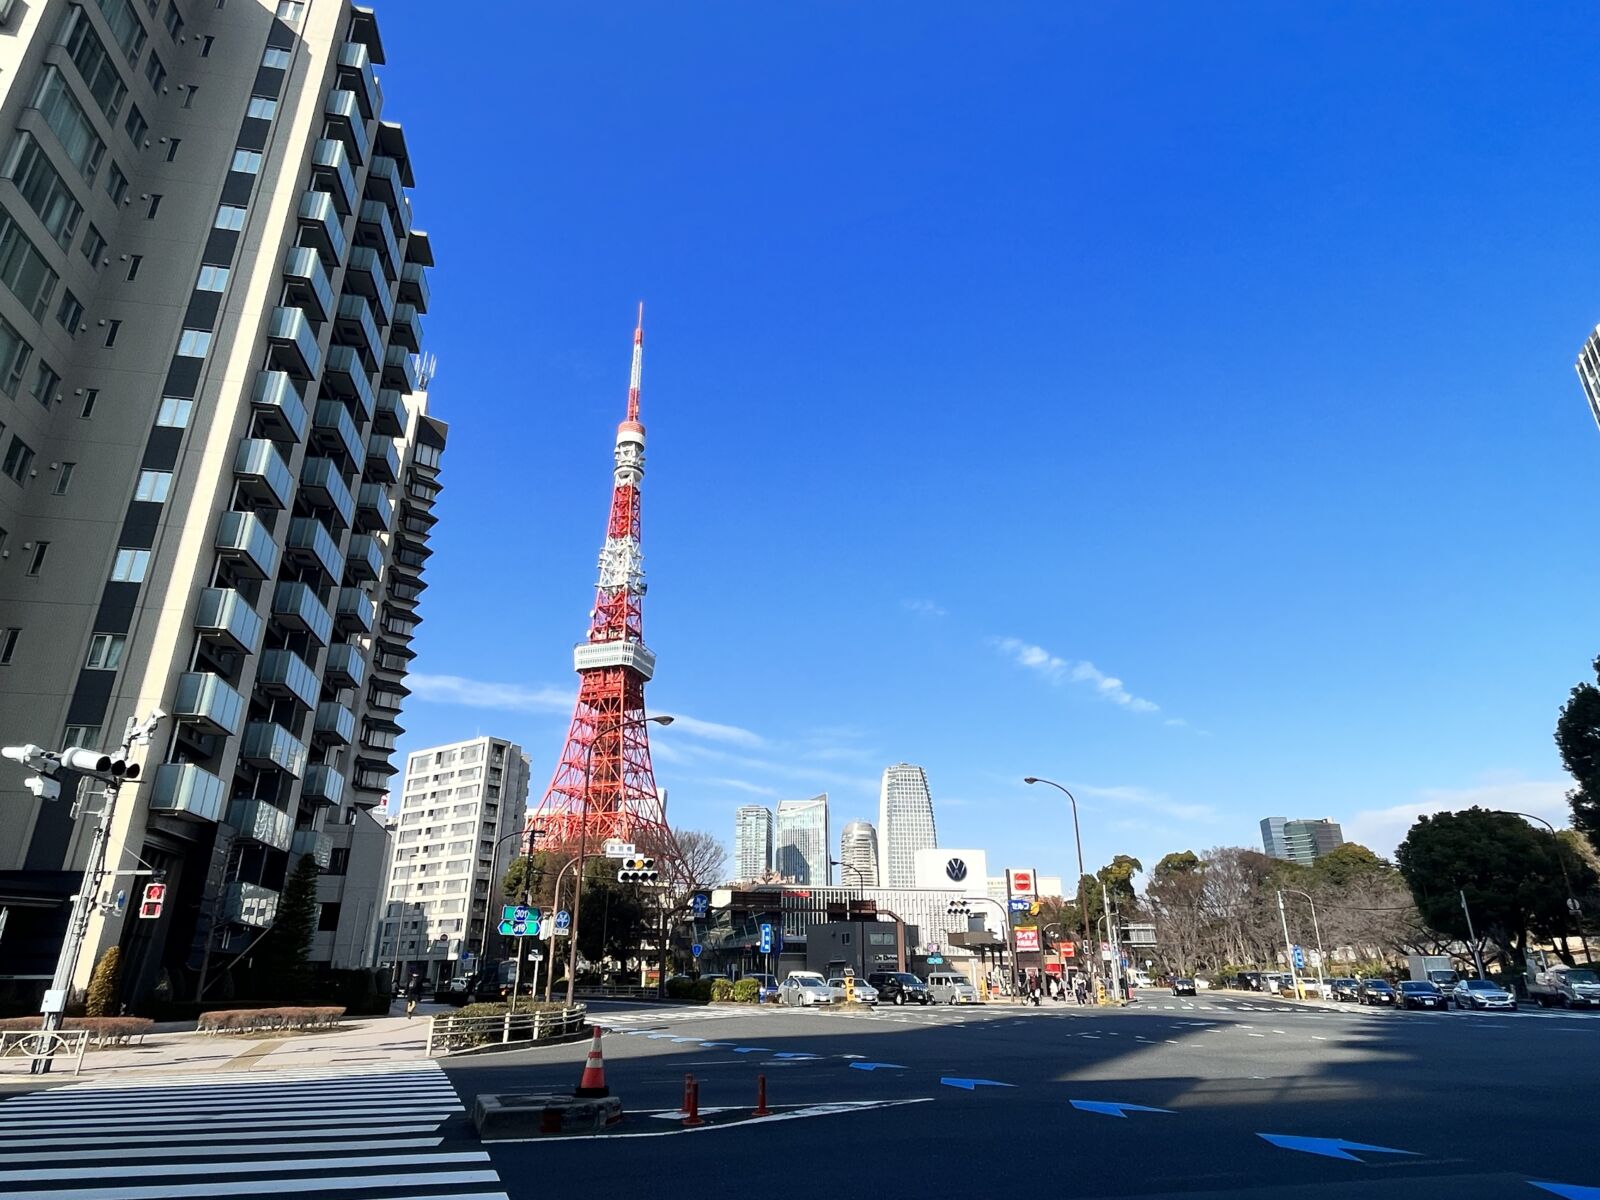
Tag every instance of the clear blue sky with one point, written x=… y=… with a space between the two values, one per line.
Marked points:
x=1224 y=351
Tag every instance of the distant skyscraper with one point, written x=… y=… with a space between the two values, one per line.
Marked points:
x=905 y=824
x=800 y=851
x=752 y=841
x=858 y=854
x=1299 y=841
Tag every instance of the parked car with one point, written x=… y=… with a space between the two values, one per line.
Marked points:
x=1375 y=991
x=805 y=988
x=865 y=992
x=1346 y=988
x=769 y=987
x=1561 y=985
x=1419 y=993
x=1484 y=994
x=899 y=987
x=1183 y=987
x=1252 y=981
x=951 y=987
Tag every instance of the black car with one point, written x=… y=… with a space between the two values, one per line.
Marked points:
x=1346 y=989
x=1419 y=993
x=899 y=987
x=1376 y=991
x=1183 y=987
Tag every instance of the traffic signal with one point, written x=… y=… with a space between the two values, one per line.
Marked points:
x=101 y=766
x=638 y=870
x=43 y=782
x=155 y=895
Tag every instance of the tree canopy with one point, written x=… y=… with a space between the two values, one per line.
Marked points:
x=1578 y=739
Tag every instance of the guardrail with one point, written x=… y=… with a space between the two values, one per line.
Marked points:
x=35 y=1044
x=618 y=992
x=449 y=1032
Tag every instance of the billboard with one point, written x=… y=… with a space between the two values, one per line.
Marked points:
x=1020 y=880
x=963 y=871
x=1027 y=939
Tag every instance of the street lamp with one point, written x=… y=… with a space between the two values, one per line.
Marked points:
x=1315 y=928
x=1573 y=906
x=861 y=885
x=1083 y=911
x=583 y=840
x=961 y=906
x=533 y=833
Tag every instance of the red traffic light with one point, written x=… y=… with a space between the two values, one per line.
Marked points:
x=155 y=895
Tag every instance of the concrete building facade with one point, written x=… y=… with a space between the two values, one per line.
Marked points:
x=219 y=467
x=752 y=841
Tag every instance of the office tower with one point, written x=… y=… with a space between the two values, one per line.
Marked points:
x=459 y=825
x=858 y=855
x=800 y=847
x=219 y=468
x=1299 y=841
x=905 y=824
x=752 y=841
x=1588 y=367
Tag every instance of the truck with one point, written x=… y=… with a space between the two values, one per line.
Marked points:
x=1434 y=969
x=1551 y=982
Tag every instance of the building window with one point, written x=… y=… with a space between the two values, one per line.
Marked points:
x=23 y=269
x=173 y=21
x=45 y=383
x=112 y=329
x=14 y=356
x=116 y=184
x=174 y=412
x=229 y=216
x=94 y=246
x=8 y=645
x=189 y=90
x=64 y=478
x=129 y=565
x=69 y=313
x=135 y=261
x=89 y=54
x=43 y=188
x=155 y=206
x=338 y=861
x=125 y=27
x=274 y=57
x=247 y=162
x=153 y=486
x=206 y=43
x=155 y=72
x=18 y=460
x=136 y=126
x=105 y=651
x=328 y=917
x=213 y=278
x=36 y=563
x=85 y=737
x=194 y=343
x=65 y=116
x=91 y=397
x=263 y=108
x=290 y=10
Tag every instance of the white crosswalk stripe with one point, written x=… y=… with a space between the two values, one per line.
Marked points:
x=373 y=1129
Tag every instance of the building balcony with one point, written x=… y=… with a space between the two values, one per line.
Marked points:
x=330 y=172
x=293 y=343
x=407 y=328
x=306 y=282
x=334 y=433
x=364 y=277
x=206 y=702
x=399 y=372
x=387 y=698
x=245 y=541
x=334 y=725
x=248 y=904
x=354 y=326
x=295 y=606
x=375 y=230
x=262 y=474
x=321 y=228
x=374 y=509
x=364 y=561
x=311 y=547
x=323 y=785
x=384 y=183
x=356 y=75
x=345 y=118
x=260 y=822
x=354 y=611
x=389 y=419
x=414 y=287
x=346 y=667
x=225 y=617
x=186 y=790
x=266 y=744
x=382 y=460
x=348 y=376
x=280 y=412
x=419 y=247
x=322 y=484
x=314 y=842
x=285 y=676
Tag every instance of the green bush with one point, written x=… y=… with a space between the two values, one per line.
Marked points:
x=680 y=989
x=747 y=991
x=702 y=990
x=102 y=1001
x=500 y=1008
x=722 y=989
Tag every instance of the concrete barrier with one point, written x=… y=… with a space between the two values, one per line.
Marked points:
x=516 y=1116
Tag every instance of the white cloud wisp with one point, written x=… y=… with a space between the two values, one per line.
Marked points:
x=1060 y=670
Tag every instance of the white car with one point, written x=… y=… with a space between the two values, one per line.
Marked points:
x=865 y=992
x=803 y=989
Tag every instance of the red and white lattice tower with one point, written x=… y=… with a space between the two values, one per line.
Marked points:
x=608 y=744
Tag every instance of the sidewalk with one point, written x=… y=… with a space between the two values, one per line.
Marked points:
x=361 y=1040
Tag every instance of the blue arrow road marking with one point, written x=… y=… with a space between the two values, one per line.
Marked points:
x=1568 y=1191
x=794 y=1054
x=754 y=1050
x=866 y=1066
x=1113 y=1108
x=710 y=1045
x=970 y=1084
x=1326 y=1147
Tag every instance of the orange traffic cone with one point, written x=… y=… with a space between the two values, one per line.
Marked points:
x=594 y=1071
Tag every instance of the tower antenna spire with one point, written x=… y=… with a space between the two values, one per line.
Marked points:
x=636 y=377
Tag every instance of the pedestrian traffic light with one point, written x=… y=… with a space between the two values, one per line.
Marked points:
x=155 y=895
x=638 y=870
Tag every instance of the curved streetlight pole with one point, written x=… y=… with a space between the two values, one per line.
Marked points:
x=583 y=839
x=1573 y=906
x=964 y=904
x=1083 y=912
x=1316 y=929
x=532 y=835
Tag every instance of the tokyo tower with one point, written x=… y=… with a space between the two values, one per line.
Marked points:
x=608 y=744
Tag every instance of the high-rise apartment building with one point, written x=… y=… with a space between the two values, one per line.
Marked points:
x=217 y=467
x=858 y=855
x=800 y=847
x=1299 y=841
x=752 y=842
x=905 y=824
x=454 y=837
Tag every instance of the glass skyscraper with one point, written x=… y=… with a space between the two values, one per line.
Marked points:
x=800 y=853
x=752 y=841
x=905 y=824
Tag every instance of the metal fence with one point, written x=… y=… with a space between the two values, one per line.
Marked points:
x=36 y=1044
x=449 y=1032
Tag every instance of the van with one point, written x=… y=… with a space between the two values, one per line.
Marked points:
x=951 y=987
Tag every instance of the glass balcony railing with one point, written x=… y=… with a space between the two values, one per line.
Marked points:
x=354 y=611
x=294 y=343
x=322 y=484
x=347 y=375
x=399 y=371
x=365 y=277
x=356 y=74
x=407 y=328
x=186 y=790
x=384 y=183
x=374 y=509
x=267 y=744
x=311 y=547
x=343 y=112
x=382 y=459
x=314 y=842
x=322 y=785
x=389 y=418
x=295 y=606
x=260 y=822
x=355 y=327
x=206 y=702
x=224 y=615
x=346 y=667
x=244 y=540
x=306 y=282
x=280 y=412
x=321 y=228
x=262 y=473
x=249 y=904
x=284 y=674
x=375 y=229
x=334 y=432
x=364 y=560
x=330 y=171
x=414 y=287
x=334 y=723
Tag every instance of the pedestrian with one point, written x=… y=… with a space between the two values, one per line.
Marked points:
x=413 y=993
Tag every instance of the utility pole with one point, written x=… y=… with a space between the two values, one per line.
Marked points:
x=1113 y=940
x=1472 y=937
x=1288 y=946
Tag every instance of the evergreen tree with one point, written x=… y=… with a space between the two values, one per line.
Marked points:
x=1578 y=739
x=286 y=951
x=102 y=1001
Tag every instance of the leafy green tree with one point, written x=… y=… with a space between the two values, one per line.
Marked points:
x=1344 y=864
x=102 y=999
x=286 y=950
x=1578 y=740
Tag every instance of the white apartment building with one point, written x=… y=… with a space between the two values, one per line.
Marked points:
x=752 y=841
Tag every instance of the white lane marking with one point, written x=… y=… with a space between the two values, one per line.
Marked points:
x=235 y=1148
x=1259 y=1035
x=258 y=1101
x=297 y=1075
x=814 y=1110
x=422 y=1084
x=250 y=1187
x=179 y=1121
x=156 y=1135
x=347 y=1163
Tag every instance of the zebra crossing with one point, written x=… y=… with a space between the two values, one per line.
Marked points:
x=316 y=1131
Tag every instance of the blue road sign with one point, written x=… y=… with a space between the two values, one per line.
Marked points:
x=695 y=949
x=1299 y=959
x=766 y=938
x=563 y=919
x=935 y=960
x=1020 y=905
x=699 y=903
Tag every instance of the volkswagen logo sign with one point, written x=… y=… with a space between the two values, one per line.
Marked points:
x=956 y=870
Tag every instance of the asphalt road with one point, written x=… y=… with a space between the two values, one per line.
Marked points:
x=982 y=1100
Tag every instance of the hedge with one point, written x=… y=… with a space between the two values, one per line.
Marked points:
x=747 y=991
x=722 y=989
x=103 y=1031
x=248 y=1020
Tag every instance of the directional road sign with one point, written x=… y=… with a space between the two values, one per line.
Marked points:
x=699 y=903
x=766 y=939
x=695 y=949
x=935 y=960
x=1299 y=959
x=1020 y=905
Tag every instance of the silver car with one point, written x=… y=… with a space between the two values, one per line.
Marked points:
x=803 y=989
x=1484 y=994
x=951 y=987
x=865 y=992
